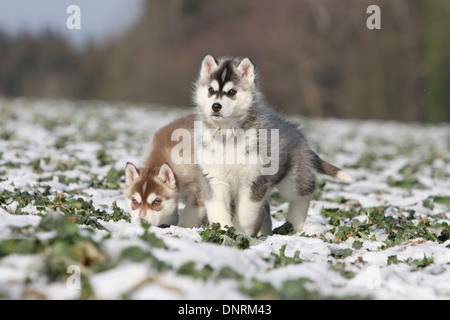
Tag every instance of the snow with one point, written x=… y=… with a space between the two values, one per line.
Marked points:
x=9 y=220
x=109 y=284
x=123 y=132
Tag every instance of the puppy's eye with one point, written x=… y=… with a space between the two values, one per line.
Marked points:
x=211 y=90
x=231 y=92
x=134 y=201
x=156 y=201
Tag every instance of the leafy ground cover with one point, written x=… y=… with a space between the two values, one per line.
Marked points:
x=385 y=236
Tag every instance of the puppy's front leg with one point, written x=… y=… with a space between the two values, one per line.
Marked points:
x=217 y=202
x=250 y=213
x=193 y=214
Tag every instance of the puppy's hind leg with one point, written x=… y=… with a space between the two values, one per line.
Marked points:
x=299 y=192
x=266 y=224
x=298 y=209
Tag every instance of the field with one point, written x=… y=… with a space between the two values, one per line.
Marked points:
x=65 y=232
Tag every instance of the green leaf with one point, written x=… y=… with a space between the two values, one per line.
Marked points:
x=357 y=244
x=134 y=253
x=392 y=260
x=18 y=246
x=150 y=237
x=423 y=263
x=281 y=260
x=189 y=269
x=227 y=237
x=341 y=253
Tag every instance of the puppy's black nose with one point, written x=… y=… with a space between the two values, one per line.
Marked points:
x=216 y=107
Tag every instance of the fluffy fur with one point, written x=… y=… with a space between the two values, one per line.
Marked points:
x=227 y=99
x=153 y=192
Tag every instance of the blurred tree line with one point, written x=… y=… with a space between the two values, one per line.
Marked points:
x=315 y=57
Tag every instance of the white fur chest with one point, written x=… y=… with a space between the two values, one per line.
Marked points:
x=228 y=158
x=236 y=176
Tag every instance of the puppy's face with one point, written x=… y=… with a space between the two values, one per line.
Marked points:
x=225 y=90
x=152 y=197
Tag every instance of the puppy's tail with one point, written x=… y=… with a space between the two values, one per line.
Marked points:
x=328 y=169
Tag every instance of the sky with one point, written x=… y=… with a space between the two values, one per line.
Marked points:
x=99 y=19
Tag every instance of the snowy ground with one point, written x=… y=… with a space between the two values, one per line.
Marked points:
x=64 y=233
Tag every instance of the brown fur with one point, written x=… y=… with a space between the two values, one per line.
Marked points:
x=159 y=153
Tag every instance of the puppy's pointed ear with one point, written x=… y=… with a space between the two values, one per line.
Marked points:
x=167 y=176
x=246 y=69
x=131 y=173
x=209 y=64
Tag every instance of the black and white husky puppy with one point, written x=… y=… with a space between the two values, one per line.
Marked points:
x=245 y=149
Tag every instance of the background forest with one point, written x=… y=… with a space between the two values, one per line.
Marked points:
x=315 y=58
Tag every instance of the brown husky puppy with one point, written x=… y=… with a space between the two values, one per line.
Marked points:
x=153 y=192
